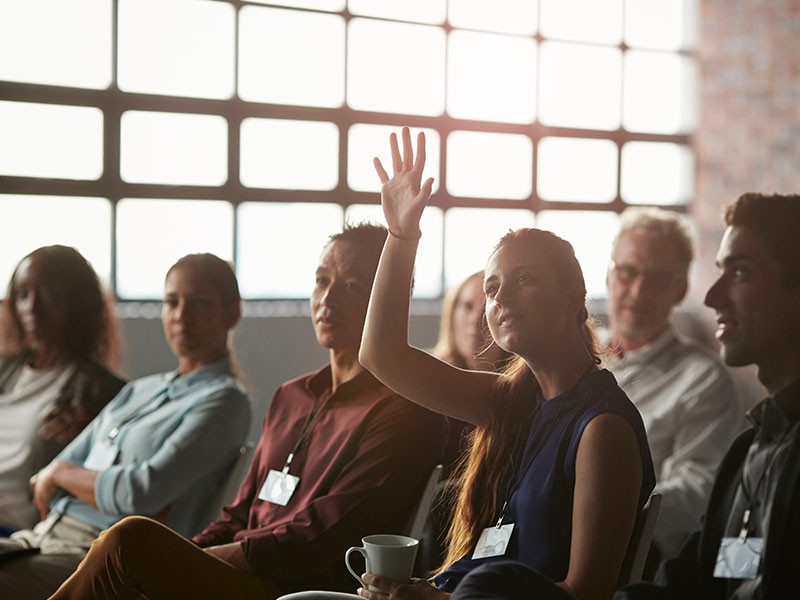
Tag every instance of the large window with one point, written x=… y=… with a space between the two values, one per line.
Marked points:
x=140 y=130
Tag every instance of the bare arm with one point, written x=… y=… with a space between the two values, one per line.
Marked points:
x=385 y=350
x=608 y=476
x=64 y=475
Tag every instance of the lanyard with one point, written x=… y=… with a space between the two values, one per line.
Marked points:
x=552 y=424
x=308 y=424
x=137 y=413
x=751 y=499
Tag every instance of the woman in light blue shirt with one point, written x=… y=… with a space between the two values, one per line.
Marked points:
x=160 y=448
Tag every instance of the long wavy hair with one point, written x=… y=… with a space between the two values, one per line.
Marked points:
x=491 y=446
x=90 y=330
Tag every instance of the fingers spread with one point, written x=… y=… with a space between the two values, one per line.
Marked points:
x=419 y=163
x=380 y=170
x=397 y=163
x=408 y=151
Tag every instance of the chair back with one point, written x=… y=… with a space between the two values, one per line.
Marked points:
x=416 y=522
x=639 y=546
x=226 y=492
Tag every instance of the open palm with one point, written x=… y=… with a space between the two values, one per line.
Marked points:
x=403 y=196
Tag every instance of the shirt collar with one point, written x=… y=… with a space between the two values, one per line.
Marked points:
x=321 y=382
x=176 y=384
x=778 y=411
x=646 y=353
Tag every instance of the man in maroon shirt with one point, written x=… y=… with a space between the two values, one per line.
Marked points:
x=340 y=456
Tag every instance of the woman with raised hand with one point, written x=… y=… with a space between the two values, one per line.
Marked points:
x=560 y=465
x=160 y=448
x=58 y=344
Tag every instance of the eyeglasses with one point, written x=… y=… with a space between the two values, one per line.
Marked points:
x=658 y=279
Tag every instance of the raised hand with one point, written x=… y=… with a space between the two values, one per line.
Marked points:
x=404 y=196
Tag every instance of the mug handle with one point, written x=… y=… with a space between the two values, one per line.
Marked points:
x=347 y=554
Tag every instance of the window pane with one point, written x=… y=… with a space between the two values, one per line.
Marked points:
x=471 y=235
x=56 y=42
x=421 y=11
x=279 y=246
x=367 y=141
x=291 y=57
x=590 y=233
x=173 y=148
x=46 y=140
x=489 y=165
x=574 y=169
x=580 y=86
x=395 y=67
x=659 y=92
x=491 y=77
x=428 y=268
x=153 y=234
x=657 y=173
x=661 y=24
x=328 y=5
x=504 y=16
x=89 y=230
x=598 y=21
x=285 y=154
x=180 y=48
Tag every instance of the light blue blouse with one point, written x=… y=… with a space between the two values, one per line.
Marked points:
x=177 y=437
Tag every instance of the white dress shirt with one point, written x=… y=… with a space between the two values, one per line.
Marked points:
x=692 y=413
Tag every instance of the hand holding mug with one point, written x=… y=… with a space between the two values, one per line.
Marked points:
x=418 y=589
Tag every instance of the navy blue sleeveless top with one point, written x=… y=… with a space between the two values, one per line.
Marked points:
x=541 y=505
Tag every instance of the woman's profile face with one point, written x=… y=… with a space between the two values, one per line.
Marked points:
x=38 y=306
x=468 y=334
x=196 y=323
x=526 y=305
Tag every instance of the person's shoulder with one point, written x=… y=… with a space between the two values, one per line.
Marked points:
x=693 y=353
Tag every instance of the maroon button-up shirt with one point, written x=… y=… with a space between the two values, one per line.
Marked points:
x=362 y=467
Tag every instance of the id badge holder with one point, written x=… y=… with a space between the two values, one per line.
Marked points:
x=494 y=540
x=279 y=486
x=739 y=557
x=101 y=456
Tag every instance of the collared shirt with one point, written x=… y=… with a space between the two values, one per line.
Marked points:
x=362 y=467
x=776 y=421
x=177 y=436
x=692 y=413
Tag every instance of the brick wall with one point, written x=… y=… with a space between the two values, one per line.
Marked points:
x=748 y=135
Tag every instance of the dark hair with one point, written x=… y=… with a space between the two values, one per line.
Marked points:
x=491 y=447
x=90 y=328
x=369 y=236
x=774 y=218
x=216 y=271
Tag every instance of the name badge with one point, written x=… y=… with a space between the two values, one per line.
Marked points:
x=738 y=558
x=278 y=488
x=101 y=456
x=493 y=541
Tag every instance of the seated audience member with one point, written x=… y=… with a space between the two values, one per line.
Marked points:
x=340 y=457
x=161 y=447
x=749 y=547
x=58 y=339
x=465 y=342
x=686 y=396
x=560 y=465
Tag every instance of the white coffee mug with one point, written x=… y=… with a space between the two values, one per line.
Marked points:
x=390 y=556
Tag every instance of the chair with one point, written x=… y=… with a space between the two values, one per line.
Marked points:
x=226 y=492
x=639 y=546
x=416 y=523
